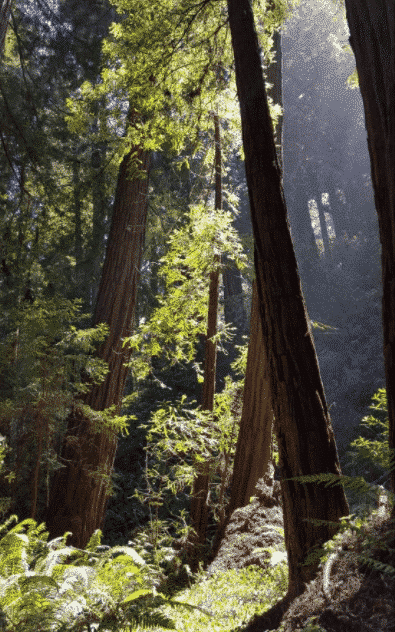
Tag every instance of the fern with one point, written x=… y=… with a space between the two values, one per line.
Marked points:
x=387 y=569
x=351 y=523
x=51 y=587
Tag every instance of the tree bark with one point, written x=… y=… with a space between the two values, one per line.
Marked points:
x=304 y=432
x=253 y=449
x=5 y=12
x=199 y=506
x=80 y=489
x=372 y=29
x=274 y=76
x=235 y=315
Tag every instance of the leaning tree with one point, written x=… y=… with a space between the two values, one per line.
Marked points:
x=304 y=432
x=372 y=29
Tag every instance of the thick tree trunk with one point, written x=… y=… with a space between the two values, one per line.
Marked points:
x=304 y=432
x=253 y=449
x=372 y=28
x=199 y=506
x=80 y=489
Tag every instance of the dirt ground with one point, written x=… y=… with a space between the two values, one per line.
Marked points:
x=347 y=595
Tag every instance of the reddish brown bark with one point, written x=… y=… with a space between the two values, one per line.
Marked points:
x=372 y=29
x=80 y=489
x=253 y=449
x=304 y=432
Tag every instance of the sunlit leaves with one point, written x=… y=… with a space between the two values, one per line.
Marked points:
x=174 y=327
x=172 y=61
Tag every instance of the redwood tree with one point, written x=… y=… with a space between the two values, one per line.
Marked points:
x=372 y=29
x=80 y=488
x=303 y=427
x=253 y=449
x=199 y=506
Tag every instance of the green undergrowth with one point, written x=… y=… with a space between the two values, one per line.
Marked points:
x=230 y=599
x=49 y=586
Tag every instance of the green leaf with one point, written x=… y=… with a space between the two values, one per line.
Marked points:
x=136 y=594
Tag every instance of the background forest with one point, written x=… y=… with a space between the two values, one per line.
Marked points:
x=128 y=319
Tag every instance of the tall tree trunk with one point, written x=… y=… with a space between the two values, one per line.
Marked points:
x=274 y=76
x=253 y=449
x=304 y=431
x=80 y=489
x=372 y=28
x=199 y=506
x=314 y=191
x=5 y=12
x=324 y=227
x=96 y=246
x=235 y=315
x=77 y=208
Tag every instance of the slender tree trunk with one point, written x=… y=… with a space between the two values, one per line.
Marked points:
x=199 y=504
x=234 y=310
x=314 y=191
x=274 y=76
x=77 y=208
x=253 y=449
x=372 y=28
x=99 y=207
x=324 y=228
x=234 y=315
x=80 y=489
x=5 y=12
x=304 y=432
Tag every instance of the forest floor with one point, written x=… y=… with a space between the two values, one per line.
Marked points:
x=242 y=586
x=348 y=594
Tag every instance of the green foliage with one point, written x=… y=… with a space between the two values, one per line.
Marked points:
x=180 y=437
x=347 y=524
x=48 y=586
x=5 y=503
x=47 y=363
x=46 y=352
x=175 y=325
x=370 y=452
x=228 y=600
x=172 y=61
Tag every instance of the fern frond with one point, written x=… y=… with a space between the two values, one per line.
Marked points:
x=387 y=569
x=6 y=524
x=151 y=621
x=95 y=541
x=356 y=483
